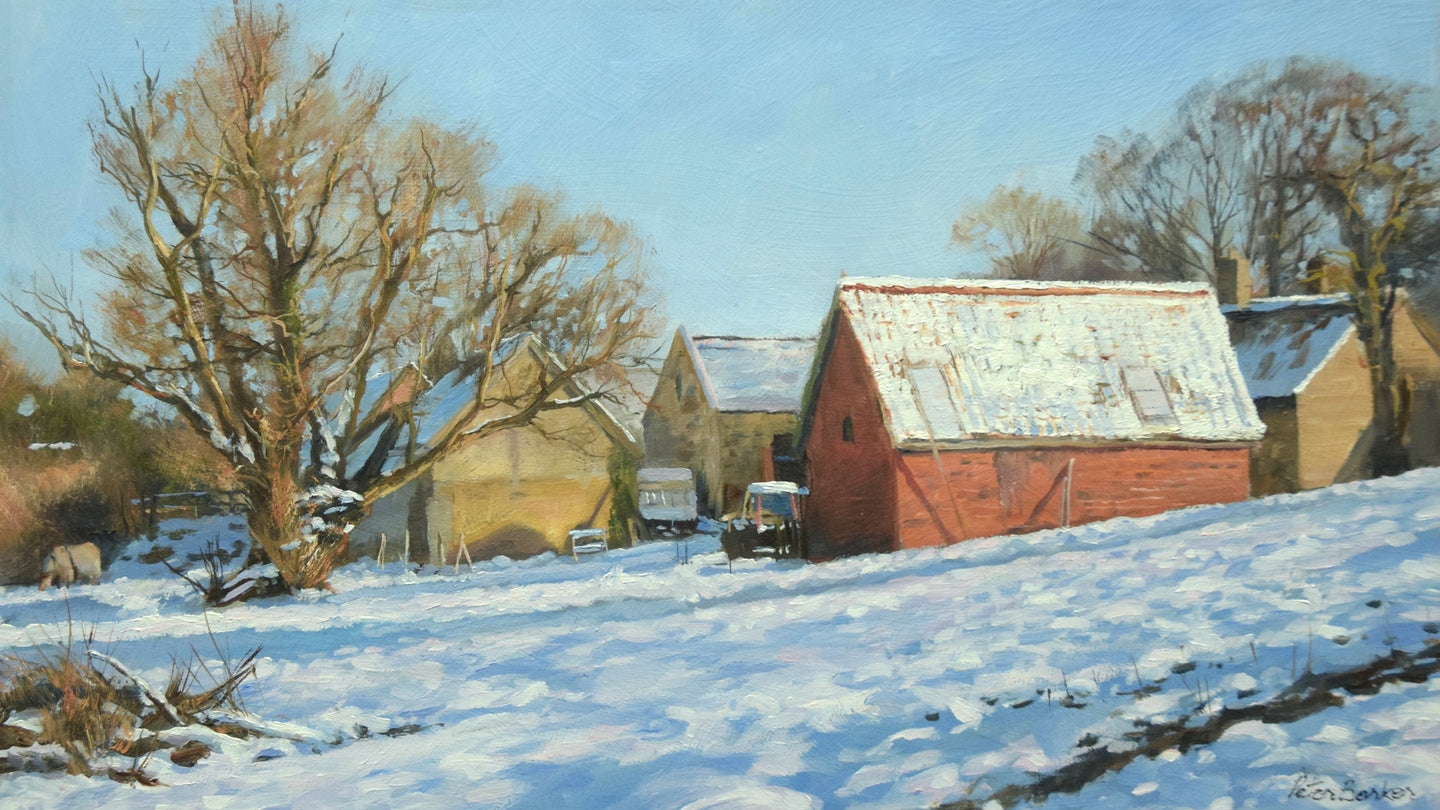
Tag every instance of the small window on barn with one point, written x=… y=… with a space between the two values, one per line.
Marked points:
x=1148 y=396
x=847 y=430
x=678 y=389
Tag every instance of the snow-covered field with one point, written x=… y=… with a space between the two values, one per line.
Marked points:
x=905 y=680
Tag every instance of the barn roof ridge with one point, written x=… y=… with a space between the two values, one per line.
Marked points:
x=903 y=285
x=750 y=338
x=963 y=360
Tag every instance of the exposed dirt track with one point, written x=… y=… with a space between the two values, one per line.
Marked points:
x=1309 y=694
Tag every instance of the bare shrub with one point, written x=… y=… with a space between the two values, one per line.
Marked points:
x=78 y=708
x=185 y=693
x=91 y=713
x=219 y=585
x=30 y=489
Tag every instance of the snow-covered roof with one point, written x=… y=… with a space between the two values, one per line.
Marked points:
x=753 y=374
x=969 y=359
x=654 y=474
x=447 y=399
x=1281 y=343
x=776 y=488
x=625 y=390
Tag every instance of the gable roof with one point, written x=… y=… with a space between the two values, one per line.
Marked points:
x=751 y=374
x=625 y=391
x=447 y=399
x=1281 y=343
x=958 y=360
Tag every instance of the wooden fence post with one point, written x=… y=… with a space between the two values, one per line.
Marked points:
x=1065 y=503
x=380 y=559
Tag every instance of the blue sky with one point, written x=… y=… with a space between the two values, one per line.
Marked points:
x=763 y=148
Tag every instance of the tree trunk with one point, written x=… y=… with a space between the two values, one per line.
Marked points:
x=1274 y=278
x=1388 y=453
x=273 y=522
x=303 y=550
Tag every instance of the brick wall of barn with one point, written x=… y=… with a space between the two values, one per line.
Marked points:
x=997 y=491
x=851 y=508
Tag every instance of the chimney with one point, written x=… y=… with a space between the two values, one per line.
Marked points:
x=1232 y=280
x=1323 y=277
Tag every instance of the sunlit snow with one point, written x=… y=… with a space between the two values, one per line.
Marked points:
x=628 y=679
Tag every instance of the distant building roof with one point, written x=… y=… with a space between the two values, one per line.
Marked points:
x=1281 y=343
x=963 y=359
x=753 y=374
x=447 y=399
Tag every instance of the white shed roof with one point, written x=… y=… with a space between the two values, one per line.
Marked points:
x=968 y=359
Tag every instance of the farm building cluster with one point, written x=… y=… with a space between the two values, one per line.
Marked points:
x=927 y=412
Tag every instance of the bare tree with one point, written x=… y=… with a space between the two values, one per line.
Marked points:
x=1026 y=235
x=1143 y=218
x=1379 y=180
x=1170 y=210
x=285 y=248
x=1278 y=120
x=1221 y=176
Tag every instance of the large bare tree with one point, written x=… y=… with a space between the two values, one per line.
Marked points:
x=1220 y=177
x=1152 y=216
x=285 y=248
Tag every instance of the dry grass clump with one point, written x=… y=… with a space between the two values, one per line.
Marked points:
x=91 y=706
x=79 y=709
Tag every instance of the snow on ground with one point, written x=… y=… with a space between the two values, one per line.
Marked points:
x=627 y=679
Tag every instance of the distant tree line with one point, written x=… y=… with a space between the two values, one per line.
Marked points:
x=1314 y=172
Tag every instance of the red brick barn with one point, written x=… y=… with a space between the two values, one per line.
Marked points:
x=943 y=410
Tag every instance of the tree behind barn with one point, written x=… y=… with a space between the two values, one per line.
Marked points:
x=1222 y=175
x=1027 y=235
x=1379 y=179
x=293 y=271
